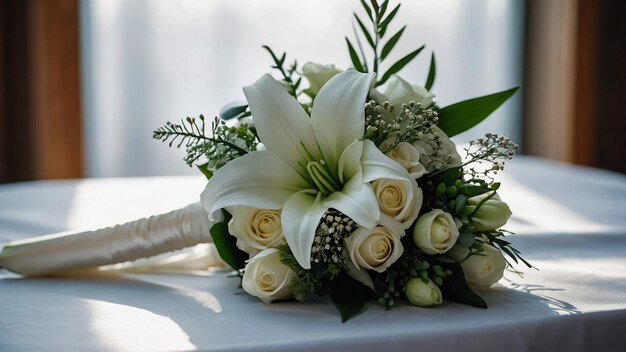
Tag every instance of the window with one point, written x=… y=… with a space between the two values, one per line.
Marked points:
x=146 y=62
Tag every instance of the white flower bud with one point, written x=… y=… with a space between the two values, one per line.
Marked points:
x=492 y=214
x=483 y=269
x=267 y=278
x=401 y=92
x=435 y=232
x=436 y=159
x=422 y=294
x=318 y=74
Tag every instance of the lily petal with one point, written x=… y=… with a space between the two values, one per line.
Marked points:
x=357 y=201
x=281 y=123
x=270 y=184
x=350 y=161
x=377 y=165
x=300 y=217
x=338 y=115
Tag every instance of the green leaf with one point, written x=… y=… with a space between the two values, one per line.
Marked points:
x=367 y=35
x=226 y=244
x=367 y=10
x=467 y=239
x=383 y=9
x=460 y=117
x=375 y=5
x=386 y=21
x=398 y=65
x=390 y=44
x=456 y=289
x=233 y=110
x=356 y=62
x=460 y=201
x=204 y=168
x=271 y=52
x=361 y=51
x=348 y=296
x=431 y=73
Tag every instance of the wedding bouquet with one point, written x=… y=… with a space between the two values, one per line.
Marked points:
x=345 y=189
x=329 y=181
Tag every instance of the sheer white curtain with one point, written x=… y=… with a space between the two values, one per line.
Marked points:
x=149 y=61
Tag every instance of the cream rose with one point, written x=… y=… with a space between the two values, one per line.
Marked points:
x=267 y=278
x=401 y=92
x=406 y=155
x=435 y=232
x=422 y=294
x=318 y=74
x=376 y=248
x=400 y=199
x=492 y=214
x=483 y=269
x=256 y=229
x=438 y=155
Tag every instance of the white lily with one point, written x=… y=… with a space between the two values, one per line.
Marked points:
x=310 y=164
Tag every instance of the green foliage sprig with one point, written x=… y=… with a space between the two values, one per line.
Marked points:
x=209 y=151
x=290 y=80
x=379 y=23
x=390 y=285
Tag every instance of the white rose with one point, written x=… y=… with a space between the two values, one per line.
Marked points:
x=406 y=155
x=436 y=156
x=267 y=278
x=256 y=229
x=422 y=294
x=400 y=199
x=483 y=269
x=318 y=74
x=492 y=214
x=401 y=92
x=435 y=232
x=376 y=248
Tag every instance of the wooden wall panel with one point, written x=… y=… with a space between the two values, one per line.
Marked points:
x=40 y=123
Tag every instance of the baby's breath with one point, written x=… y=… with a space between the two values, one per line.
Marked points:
x=485 y=156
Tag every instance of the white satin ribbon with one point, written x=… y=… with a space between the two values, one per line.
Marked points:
x=191 y=260
x=142 y=238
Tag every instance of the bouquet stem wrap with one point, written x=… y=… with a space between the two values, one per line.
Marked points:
x=137 y=239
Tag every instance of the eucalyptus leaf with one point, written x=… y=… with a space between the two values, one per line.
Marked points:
x=348 y=296
x=391 y=43
x=354 y=57
x=460 y=117
x=432 y=70
x=386 y=21
x=383 y=10
x=233 y=110
x=367 y=35
x=226 y=244
x=456 y=289
x=398 y=65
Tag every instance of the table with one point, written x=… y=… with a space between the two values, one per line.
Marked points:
x=571 y=224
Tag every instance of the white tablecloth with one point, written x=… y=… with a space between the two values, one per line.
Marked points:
x=571 y=224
